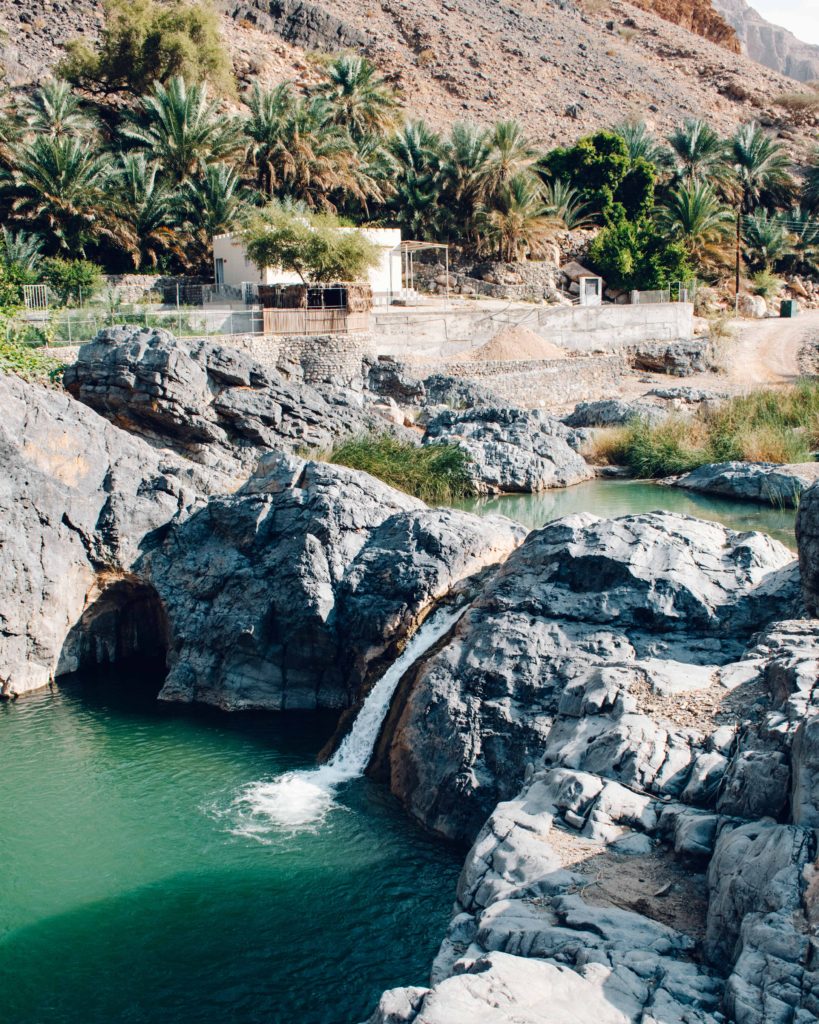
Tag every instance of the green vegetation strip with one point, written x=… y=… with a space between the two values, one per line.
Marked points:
x=436 y=473
x=763 y=426
x=26 y=362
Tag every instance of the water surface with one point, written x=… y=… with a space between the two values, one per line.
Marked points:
x=609 y=498
x=131 y=891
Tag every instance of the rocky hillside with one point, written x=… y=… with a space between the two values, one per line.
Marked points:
x=698 y=16
x=771 y=45
x=563 y=68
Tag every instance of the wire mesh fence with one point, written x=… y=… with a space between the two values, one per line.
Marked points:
x=76 y=326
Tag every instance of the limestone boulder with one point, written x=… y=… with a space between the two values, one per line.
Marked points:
x=512 y=450
x=765 y=482
x=281 y=595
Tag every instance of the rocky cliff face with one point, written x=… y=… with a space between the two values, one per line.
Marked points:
x=771 y=45
x=698 y=16
x=659 y=862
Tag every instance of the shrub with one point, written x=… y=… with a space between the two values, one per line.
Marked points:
x=21 y=359
x=635 y=254
x=74 y=281
x=766 y=284
x=437 y=473
x=145 y=42
x=763 y=426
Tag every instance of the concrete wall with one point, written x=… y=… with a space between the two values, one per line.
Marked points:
x=430 y=333
x=552 y=384
x=237 y=268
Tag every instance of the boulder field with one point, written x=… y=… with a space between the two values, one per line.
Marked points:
x=622 y=727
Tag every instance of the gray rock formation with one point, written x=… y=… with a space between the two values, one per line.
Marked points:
x=211 y=403
x=79 y=501
x=282 y=595
x=582 y=610
x=807 y=535
x=765 y=482
x=770 y=44
x=513 y=449
x=658 y=863
x=679 y=358
x=613 y=412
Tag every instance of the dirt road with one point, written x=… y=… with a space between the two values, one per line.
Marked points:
x=766 y=352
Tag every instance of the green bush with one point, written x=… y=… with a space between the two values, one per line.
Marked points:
x=145 y=42
x=74 y=281
x=21 y=359
x=437 y=473
x=635 y=254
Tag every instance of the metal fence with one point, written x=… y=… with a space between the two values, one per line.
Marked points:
x=679 y=291
x=73 y=327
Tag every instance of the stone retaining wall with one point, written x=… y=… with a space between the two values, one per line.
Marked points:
x=315 y=359
x=536 y=382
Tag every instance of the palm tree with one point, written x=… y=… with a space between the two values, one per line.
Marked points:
x=182 y=129
x=767 y=240
x=810 y=189
x=60 y=188
x=760 y=173
x=148 y=209
x=358 y=98
x=372 y=174
x=21 y=250
x=269 y=110
x=641 y=144
x=510 y=154
x=54 y=110
x=804 y=231
x=209 y=205
x=566 y=207
x=518 y=219
x=417 y=152
x=698 y=149
x=693 y=214
x=463 y=177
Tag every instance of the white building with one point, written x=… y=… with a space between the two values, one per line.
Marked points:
x=232 y=268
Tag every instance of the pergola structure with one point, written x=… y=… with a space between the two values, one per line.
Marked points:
x=408 y=249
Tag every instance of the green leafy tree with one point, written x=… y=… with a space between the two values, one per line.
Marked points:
x=181 y=128
x=358 y=98
x=74 y=281
x=636 y=255
x=313 y=245
x=565 y=206
x=417 y=152
x=595 y=165
x=518 y=219
x=144 y=42
x=148 y=209
x=211 y=205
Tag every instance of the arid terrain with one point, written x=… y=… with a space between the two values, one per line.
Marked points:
x=561 y=68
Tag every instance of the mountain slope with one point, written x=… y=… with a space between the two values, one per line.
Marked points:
x=771 y=45
x=562 y=69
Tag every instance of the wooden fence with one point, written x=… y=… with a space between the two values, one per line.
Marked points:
x=314 y=321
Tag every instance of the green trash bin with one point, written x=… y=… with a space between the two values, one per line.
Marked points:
x=788 y=308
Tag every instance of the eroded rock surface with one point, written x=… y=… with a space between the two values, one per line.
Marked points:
x=807 y=533
x=211 y=403
x=281 y=595
x=79 y=501
x=765 y=482
x=513 y=449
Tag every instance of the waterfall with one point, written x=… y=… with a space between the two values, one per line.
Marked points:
x=301 y=800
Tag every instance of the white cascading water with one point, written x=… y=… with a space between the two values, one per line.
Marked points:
x=300 y=800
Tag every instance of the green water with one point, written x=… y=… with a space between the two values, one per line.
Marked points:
x=609 y=498
x=135 y=890
x=127 y=897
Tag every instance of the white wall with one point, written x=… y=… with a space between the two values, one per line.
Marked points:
x=238 y=268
